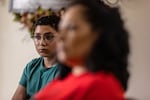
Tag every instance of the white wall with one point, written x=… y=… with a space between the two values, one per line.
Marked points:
x=17 y=49
x=137 y=15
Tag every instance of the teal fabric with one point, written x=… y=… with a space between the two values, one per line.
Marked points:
x=35 y=76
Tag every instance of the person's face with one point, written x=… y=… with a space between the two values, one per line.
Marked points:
x=76 y=36
x=45 y=40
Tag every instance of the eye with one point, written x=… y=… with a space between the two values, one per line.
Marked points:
x=49 y=37
x=37 y=37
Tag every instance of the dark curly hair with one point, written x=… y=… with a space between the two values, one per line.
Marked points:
x=51 y=21
x=111 y=49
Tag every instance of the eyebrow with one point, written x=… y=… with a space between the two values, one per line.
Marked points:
x=49 y=33
x=46 y=33
x=36 y=33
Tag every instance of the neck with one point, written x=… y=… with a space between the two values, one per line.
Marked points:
x=48 y=62
x=78 y=66
x=78 y=70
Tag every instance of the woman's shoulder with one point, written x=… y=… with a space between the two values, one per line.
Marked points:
x=104 y=86
x=99 y=77
x=105 y=79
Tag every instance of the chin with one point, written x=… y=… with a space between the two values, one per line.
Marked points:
x=64 y=60
x=43 y=54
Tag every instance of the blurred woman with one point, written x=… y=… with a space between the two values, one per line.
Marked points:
x=94 y=46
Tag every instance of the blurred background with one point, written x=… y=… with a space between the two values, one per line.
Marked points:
x=17 y=48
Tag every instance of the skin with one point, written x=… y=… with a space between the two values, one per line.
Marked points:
x=46 y=49
x=76 y=39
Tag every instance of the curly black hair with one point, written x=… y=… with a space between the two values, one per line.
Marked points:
x=111 y=49
x=51 y=21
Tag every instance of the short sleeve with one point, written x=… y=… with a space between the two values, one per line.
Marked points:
x=26 y=72
x=23 y=80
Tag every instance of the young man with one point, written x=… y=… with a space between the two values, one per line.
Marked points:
x=44 y=69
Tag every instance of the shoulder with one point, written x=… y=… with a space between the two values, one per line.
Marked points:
x=35 y=60
x=107 y=81
x=33 y=63
x=105 y=86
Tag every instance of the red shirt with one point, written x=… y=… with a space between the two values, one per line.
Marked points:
x=88 y=86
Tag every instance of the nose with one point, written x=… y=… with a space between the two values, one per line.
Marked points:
x=42 y=41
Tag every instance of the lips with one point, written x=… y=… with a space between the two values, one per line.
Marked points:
x=42 y=50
